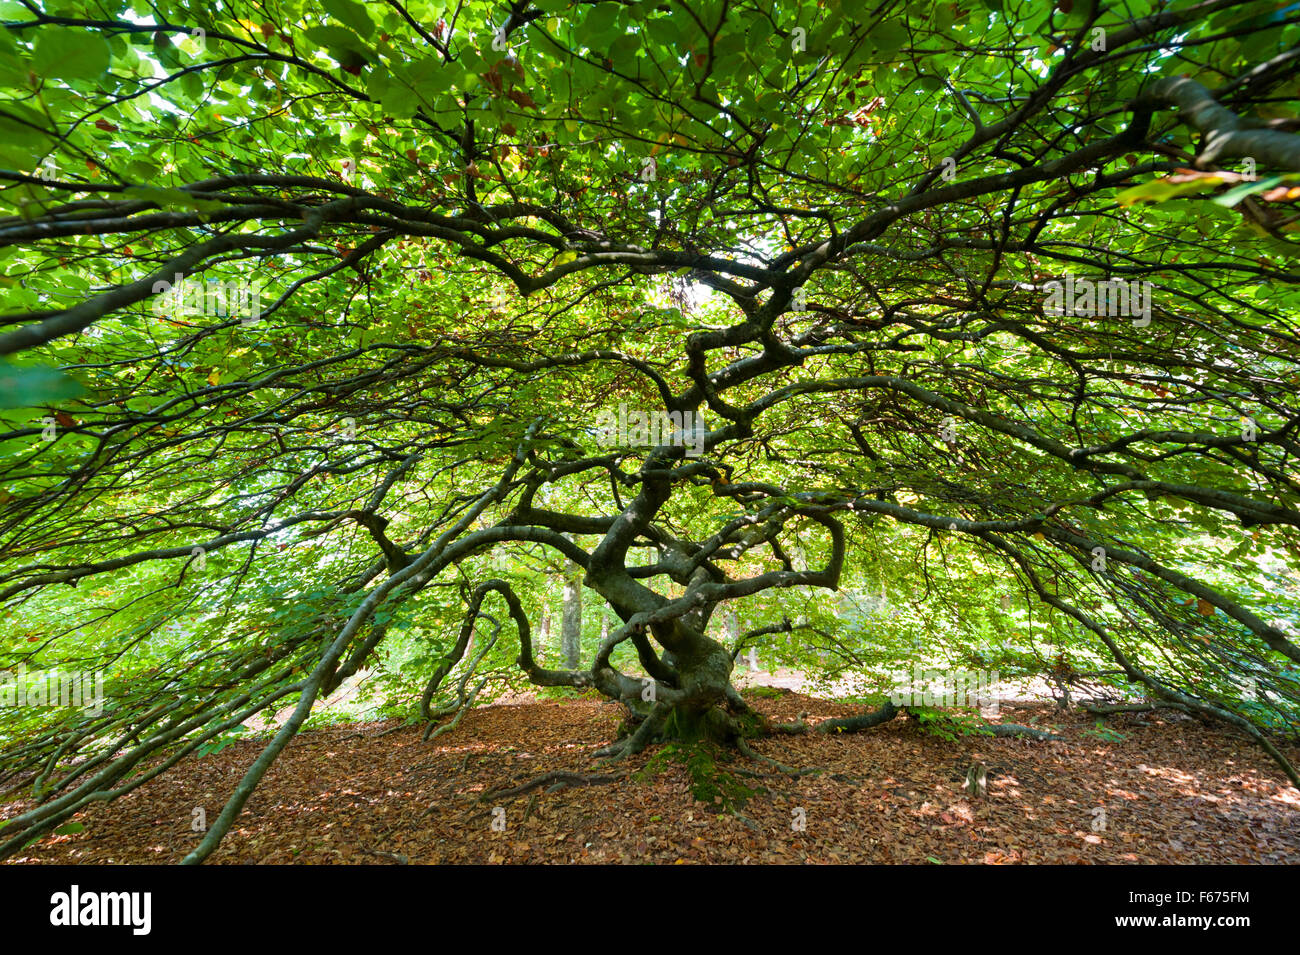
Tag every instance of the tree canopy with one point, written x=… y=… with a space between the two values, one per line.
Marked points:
x=333 y=332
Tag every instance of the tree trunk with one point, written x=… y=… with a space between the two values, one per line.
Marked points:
x=571 y=624
x=544 y=634
x=697 y=709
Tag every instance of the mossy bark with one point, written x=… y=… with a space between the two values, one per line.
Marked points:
x=703 y=713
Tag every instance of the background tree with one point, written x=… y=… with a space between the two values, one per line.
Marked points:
x=571 y=619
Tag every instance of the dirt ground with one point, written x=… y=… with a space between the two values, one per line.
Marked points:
x=1170 y=791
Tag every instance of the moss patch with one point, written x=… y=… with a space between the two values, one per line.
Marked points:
x=709 y=783
x=765 y=692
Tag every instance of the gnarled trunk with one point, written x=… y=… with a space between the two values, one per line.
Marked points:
x=702 y=706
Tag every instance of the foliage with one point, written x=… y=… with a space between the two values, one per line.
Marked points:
x=949 y=726
x=1105 y=733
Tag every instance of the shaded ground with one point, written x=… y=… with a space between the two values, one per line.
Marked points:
x=1172 y=791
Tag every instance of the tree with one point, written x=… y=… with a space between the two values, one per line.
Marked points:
x=723 y=303
x=571 y=621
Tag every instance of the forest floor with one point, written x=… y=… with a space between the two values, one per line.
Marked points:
x=1145 y=789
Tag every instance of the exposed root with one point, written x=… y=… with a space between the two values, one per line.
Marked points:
x=611 y=753
x=797 y=728
x=636 y=741
x=1102 y=709
x=855 y=724
x=396 y=857
x=556 y=780
x=1015 y=729
x=558 y=776
x=357 y=735
x=753 y=754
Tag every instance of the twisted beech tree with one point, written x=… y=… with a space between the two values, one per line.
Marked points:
x=1002 y=288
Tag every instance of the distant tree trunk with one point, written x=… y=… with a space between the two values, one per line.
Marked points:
x=544 y=633
x=571 y=623
x=733 y=630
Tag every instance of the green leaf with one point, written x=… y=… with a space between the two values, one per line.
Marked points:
x=70 y=53
x=599 y=29
x=1162 y=190
x=351 y=14
x=337 y=40
x=1237 y=193
x=34 y=385
x=20 y=125
x=889 y=36
x=14 y=65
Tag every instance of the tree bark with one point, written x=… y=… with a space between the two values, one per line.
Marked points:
x=544 y=634
x=571 y=623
